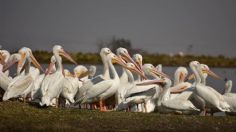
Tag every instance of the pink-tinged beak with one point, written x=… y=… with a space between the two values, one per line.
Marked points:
x=151 y=82
x=159 y=73
x=50 y=67
x=35 y=62
x=190 y=77
x=9 y=64
x=211 y=73
x=67 y=56
x=128 y=58
x=181 y=77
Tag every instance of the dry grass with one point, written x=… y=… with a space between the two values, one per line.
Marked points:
x=16 y=116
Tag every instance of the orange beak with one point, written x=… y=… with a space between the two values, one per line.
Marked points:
x=67 y=56
x=151 y=82
x=159 y=73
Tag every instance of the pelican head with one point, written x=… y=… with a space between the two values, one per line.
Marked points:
x=92 y=70
x=14 y=58
x=4 y=56
x=180 y=74
x=149 y=69
x=133 y=68
x=57 y=49
x=105 y=51
x=21 y=57
x=124 y=54
x=228 y=86
x=80 y=71
x=138 y=58
x=67 y=73
x=204 y=69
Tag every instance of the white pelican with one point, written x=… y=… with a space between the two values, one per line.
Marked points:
x=4 y=78
x=72 y=83
x=24 y=83
x=179 y=83
x=123 y=53
x=102 y=90
x=105 y=76
x=230 y=98
x=129 y=85
x=36 y=92
x=138 y=58
x=4 y=58
x=211 y=96
x=52 y=83
x=144 y=93
x=165 y=104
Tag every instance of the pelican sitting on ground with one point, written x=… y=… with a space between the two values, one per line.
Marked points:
x=141 y=94
x=179 y=83
x=165 y=104
x=24 y=83
x=72 y=83
x=212 y=97
x=52 y=84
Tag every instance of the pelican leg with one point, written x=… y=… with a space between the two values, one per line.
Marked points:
x=57 y=103
x=145 y=107
x=101 y=105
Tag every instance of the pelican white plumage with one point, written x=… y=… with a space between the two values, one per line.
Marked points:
x=104 y=89
x=123 y=53
x=211 y=96
x=180 y=85
x=230 y=97
x=105 y=76
x=92 y=70
x=143 y=93
x=36 y=93
x=52 y=84
x=24 y=83
x=165 y=104
x=4 y=58
x=4 y=76
x=71 y=84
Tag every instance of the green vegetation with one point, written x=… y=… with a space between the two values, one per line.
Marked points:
x=166 y=60
x=18 y=116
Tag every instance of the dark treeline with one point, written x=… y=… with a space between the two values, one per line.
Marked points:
x=166 y=60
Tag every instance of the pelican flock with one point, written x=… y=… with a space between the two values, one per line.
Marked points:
x=141 y=87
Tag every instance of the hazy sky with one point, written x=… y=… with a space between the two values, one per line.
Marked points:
x=166 y=26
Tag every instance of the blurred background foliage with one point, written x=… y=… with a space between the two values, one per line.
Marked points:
x=164 y=59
